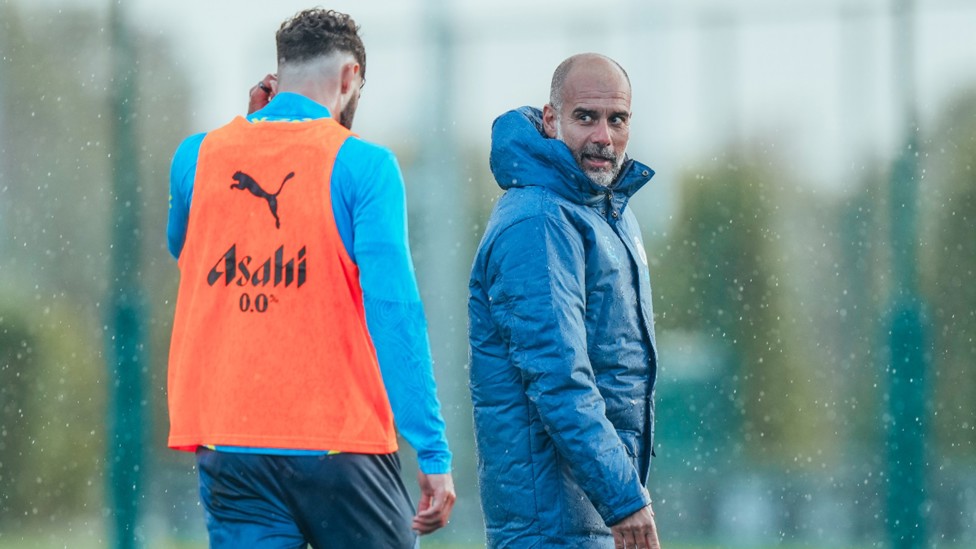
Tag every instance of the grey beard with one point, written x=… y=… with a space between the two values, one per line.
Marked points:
x=603 y=178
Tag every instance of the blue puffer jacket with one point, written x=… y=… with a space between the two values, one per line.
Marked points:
x=563 y=357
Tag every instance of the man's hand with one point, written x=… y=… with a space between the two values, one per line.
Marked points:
x=436 y=501
x=636 y=531
x=262 y=92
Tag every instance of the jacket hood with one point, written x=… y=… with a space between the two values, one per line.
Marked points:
x=523 y=156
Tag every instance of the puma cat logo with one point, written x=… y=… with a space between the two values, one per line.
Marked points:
x=246 y=182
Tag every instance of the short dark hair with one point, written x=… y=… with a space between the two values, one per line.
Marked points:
x=316 y=33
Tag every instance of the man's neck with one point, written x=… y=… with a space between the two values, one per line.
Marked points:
x=319 y=94
x=317 y=79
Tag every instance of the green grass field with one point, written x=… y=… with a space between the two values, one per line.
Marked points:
x=94 y=538
x=55 y=541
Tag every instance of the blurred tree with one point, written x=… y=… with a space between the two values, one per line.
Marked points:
x=853 y=285
x=948 y=258
x=55 y=271
x=755 y=289
x=52 y=273
x=17 y=364
x=53 y=440
x=860 y=290
x=721 y=277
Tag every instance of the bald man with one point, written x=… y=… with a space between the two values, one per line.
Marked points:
x=563 y=358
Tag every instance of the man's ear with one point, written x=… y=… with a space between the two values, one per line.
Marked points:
x=549 y=115
x=347 y=77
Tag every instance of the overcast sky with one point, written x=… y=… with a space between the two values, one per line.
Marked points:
x=796 y=74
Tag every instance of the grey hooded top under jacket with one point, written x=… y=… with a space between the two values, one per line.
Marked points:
x=563 y=358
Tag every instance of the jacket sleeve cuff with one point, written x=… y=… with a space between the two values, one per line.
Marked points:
x=435 y=465
x=619 y=513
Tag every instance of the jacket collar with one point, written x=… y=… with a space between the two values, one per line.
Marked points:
x=523 y=156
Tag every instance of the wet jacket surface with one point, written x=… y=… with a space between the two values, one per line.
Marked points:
x=563 y=358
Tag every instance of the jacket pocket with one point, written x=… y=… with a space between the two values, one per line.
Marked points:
x=630 y=441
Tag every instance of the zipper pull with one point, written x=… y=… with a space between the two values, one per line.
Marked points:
x=613 y=212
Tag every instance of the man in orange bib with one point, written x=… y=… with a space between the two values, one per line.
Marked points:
x=299 y=336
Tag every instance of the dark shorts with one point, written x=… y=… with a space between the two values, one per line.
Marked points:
x=341 y=500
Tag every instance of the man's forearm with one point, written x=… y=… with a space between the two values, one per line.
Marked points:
x=399 y=333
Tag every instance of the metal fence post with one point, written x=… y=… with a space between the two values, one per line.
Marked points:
x=125 y=338
x=907 y=390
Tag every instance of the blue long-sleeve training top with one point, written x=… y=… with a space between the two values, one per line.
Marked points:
x=369 y=205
